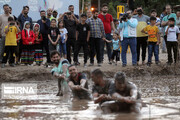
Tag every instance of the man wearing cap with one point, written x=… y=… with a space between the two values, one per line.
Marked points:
x=54 y=14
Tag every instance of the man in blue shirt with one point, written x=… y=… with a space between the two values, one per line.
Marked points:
x=24 y=17
x=44 y=26
x=128 y=29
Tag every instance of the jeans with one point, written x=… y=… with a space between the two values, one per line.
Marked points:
x=108 y=47
x=132 y=43
x=2 y=45
x=152 y=47
x=141 y=43
x=62 y=48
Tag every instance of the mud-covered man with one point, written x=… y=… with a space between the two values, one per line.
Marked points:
x=60 y=71
x=101 y=87
x=78 y=83
x=125 y=95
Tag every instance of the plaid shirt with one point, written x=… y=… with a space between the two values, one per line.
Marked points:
x=96 y=27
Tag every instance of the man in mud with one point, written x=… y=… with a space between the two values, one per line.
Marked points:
x=60 y=72
x=125 y=95
x=78 y=83
x=101 y=87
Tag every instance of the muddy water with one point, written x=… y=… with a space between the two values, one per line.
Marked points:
x=161 y=95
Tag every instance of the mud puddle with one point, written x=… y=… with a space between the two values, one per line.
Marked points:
x=160 y=95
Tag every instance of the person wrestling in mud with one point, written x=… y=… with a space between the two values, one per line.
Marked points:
x=124 y=94
x=60 y=72
x=101 y=87
x=78 y=84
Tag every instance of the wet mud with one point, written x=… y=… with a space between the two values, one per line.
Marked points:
x=160 y=88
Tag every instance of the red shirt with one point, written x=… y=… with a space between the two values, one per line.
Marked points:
x=38 y=38
x=26 y=39
x=107 y=19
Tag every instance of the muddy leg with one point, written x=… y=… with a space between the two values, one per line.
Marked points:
x=59 y=88
x=109 y=107
x=136 y=107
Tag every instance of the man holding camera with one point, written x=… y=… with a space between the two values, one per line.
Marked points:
x=128 y=26
x=24 y=17
x=141 y=37
x=70 y=24
x=3 y=22
x=44 y=26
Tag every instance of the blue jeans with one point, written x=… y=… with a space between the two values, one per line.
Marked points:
x=62 y=48
x=152 y=47
x=108 y=47
x=124 y=44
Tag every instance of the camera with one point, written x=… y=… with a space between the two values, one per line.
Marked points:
x=12 y=23
x=125 y=16
x=171 y=25
x=44 y=18
x=68 y=13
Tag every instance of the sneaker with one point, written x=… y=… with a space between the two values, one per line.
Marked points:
x=99 y=64
x=12 y=65
x=110 y=62
x=91 y=64
x=134 y=65
x=149 y=64
x=124 y=65
x=85 y=65
x=76 y=63
x=3 y=65
x=157 y=62
x=169 y=63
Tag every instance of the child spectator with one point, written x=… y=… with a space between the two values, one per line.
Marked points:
x=19 y=45
x=10 y=43
x=82 y=38
x=38 y=57
x=53 y=35
x=27 y=56
x=62 y=43
x=154 y=14
x=153 y=40
x=171 y=31
x=116 y=48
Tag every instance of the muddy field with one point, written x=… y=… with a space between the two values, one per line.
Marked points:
x=159 y=85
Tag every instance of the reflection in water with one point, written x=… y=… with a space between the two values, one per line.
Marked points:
x=46 y=105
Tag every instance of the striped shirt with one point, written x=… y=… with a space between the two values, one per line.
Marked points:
x=96 y=27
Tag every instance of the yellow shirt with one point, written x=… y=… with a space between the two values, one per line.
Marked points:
x=139 y=28
x=11 y=36
x=152 y=33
